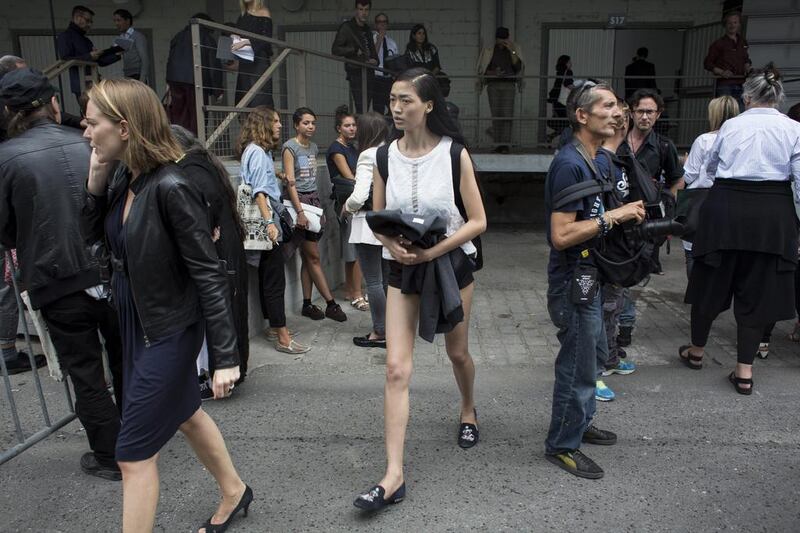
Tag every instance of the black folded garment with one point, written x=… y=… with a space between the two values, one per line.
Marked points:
x=411 y=226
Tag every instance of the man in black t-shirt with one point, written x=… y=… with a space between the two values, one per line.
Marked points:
x=592 y=111
x=354 y=41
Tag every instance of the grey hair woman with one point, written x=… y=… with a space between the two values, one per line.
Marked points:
x=753 y=163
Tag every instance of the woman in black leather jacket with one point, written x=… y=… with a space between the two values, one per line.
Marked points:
x=169 y=289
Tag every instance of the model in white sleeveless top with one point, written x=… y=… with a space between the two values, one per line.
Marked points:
x=420 y=180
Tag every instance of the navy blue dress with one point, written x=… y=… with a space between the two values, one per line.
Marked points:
x=160 y=388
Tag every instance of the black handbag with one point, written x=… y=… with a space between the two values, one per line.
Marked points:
x=687 y=210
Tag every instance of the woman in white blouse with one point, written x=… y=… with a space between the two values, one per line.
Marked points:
x=694 y=170
x=371 y=133
x=745 y=248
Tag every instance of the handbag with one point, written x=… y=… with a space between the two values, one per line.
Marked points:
x=687 y=210
x=283 y=220
x=563 y=95
x=256 y=237
x=313 y=215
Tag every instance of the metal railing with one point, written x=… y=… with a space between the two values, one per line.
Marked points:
x=25 y=440
x=301 y=76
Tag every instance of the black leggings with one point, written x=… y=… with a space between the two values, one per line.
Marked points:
x=272 y=286
x=768 y=331
x=747 y=337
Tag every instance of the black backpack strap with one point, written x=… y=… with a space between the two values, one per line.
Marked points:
x=382 y=161
x=455 y=161
x=578 y=191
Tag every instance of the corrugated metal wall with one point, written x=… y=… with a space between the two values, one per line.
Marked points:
x=591 y=50
x=696 y=92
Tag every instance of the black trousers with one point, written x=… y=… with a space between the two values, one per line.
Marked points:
x=272 y=286
x=356 y=89
x=380 y=96
x=73 y=322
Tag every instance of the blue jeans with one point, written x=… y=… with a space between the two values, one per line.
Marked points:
x=627 y=318
x=583 y=343
x=376 y=275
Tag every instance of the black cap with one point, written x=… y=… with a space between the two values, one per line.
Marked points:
x=25 y=89
x=501 y=33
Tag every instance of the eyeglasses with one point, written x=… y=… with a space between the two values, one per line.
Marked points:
x=645 y=112
x=582 y=86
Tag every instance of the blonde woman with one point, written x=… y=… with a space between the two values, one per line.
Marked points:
x=255 y=18
x=170 y=289
x=694 y=170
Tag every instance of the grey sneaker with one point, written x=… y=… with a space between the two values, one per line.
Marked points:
x=294 y=347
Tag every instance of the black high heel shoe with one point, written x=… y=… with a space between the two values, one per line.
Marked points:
x=244 y=505
x=468 y=433
x=373 y=499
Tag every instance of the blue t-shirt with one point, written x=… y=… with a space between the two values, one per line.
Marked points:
x=350 y=154
x=568 y=168
x=258 y=171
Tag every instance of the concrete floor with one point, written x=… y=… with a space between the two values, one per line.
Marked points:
x=306 y=433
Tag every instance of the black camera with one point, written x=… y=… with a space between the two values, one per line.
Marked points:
x=100 y=254
x=655 y=225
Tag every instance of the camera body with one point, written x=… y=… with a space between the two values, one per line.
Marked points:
x=656 y=225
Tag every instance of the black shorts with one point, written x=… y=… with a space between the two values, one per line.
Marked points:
x=463 y=266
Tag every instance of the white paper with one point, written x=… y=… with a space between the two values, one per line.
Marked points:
x=245 y=52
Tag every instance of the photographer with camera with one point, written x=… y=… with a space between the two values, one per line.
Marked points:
x=572 y=298
x=658 y=155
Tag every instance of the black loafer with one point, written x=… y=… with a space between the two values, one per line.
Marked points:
x=468 y=434
x=366 y=342
x=373 y=499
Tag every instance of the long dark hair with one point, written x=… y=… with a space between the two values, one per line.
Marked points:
x=561 y=64
x=412 y=43
x=439 y=119
x=191 y=145
x=372 y=130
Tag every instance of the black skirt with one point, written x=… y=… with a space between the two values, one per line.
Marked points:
x=745 y=251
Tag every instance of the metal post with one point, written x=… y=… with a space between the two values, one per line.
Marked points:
x=55 y=47
x=302 y=92
x=31 y=356
x=199 y=100
x=364 y=95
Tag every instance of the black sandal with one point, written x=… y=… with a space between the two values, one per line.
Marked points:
x=737 y=382
x=692 y=361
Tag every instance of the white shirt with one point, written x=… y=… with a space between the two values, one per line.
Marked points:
x=694 y=170
x=391 y=51
x=761 y=144
x=359 y=230
x=425 y=185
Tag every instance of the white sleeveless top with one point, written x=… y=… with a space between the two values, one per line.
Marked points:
x=425 y=185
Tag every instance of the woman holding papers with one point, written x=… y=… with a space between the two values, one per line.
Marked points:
x=255 y=18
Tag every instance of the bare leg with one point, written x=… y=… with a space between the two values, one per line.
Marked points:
x=283 y=335
x=139 y=494
x=305 y=277
x=311 y=263
x=457 y=345
x=402 y=311
x=352 y=281
x=207 y=442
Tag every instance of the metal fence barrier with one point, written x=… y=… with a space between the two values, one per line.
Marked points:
x=300 y=76
x=26 y=439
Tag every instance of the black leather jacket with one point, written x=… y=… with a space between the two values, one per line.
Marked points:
x=42 y=175
x=174 y=271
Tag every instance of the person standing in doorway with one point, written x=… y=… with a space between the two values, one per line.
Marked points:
x=136 y=59
x=728 y=59
x=500 y=69
x=640 y=74
x=557 y=96
x=386 y=48
x=354 y=41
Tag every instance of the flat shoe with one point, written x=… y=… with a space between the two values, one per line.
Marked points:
x=692 y=361
x=366 y=342
x=468 y=434
x=294 y=347
x=373 y=499
x=361 y=304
